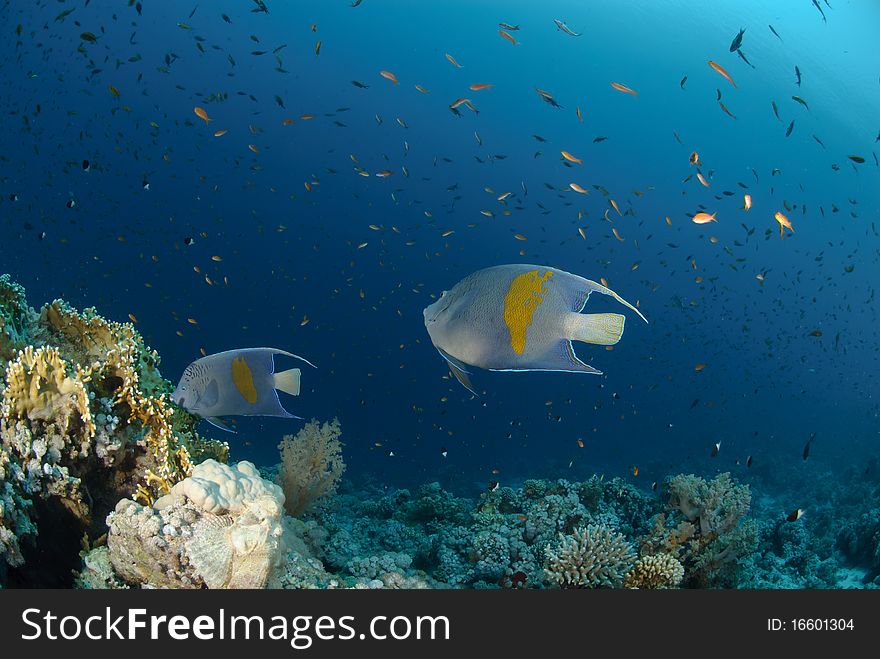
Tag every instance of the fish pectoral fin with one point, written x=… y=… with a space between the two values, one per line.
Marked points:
x=211 y=395
x=217 y=423
x=604 y=329
x=457 y=368
x=462 y=377
x=288 y=381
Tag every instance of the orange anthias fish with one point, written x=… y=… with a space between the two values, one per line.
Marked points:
x=695 y=158
x=702 y=179
x=389 y=76
x=571 y=158
x=720 y=69
x=747 y=202
x=704 y=218
x=784 y=223
x=480 y=86
x=457 y=102
x=201 y=114
x=507 y=36
x=577 y=188
x=624 y=89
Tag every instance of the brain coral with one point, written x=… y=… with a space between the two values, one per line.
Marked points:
x=593 y=557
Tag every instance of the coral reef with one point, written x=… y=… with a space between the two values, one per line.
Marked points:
x=592 y=557
x=311 y=465
x=84 y=422
x=221 y=527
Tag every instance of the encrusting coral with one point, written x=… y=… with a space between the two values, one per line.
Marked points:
x=84 y=421
x=221 y=528
x=594 y=556
x=311 y=464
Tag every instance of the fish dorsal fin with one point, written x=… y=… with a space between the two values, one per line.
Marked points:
x=211 y=395
x=607 y=291
x=288 y=381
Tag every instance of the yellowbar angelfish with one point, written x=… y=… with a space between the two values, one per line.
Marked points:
x=520 y=318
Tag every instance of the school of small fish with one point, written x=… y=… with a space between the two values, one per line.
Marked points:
x=333 y=136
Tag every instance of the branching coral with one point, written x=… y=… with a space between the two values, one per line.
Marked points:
x=593 y=557
x=655 y=572
x=311 y=464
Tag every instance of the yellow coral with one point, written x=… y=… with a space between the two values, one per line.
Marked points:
x=93 y=335
x=38 y=388
x=655 y=573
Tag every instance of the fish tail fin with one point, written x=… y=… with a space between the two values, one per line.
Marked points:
x=288 y=381
x=604 y=329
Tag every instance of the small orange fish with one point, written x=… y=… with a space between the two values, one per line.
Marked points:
x=747 y=202
x=253 y=147
x=784 y=223
x=306 y=117
x=422 y=89
x=615 y=207
x=580 y=443
x=452 y=61
x=318 y=47
x=389 y=76
x=577 y=188
x=704 y=218
x=571 y=158
x=457 y=102
x=114 y=91
x=132 y=318
x=385 y=173
x=635 y=471
x=720 y=69
x=286 y=122
x=479 y=86
x=616 y=234
x=201 y=114
x=702 y=180
x=695 y=158
x=699 y=367
x=624 y=89
x=220 y=133
x=580 y=115
x=507 y=36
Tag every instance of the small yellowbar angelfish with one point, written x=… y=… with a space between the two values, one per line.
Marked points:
x=520 y=318
x=239 y=382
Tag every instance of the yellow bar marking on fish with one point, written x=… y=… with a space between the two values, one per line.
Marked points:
x=243 y=379
x=525 y=295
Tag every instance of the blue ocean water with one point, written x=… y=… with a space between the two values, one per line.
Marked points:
x=288 y=254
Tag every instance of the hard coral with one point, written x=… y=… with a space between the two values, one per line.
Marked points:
x=655 y=572
x=221 y=527
x=84 y=422
x=592 y=557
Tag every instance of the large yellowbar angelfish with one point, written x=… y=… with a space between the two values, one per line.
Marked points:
x=239 y=382
x=520 y=318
